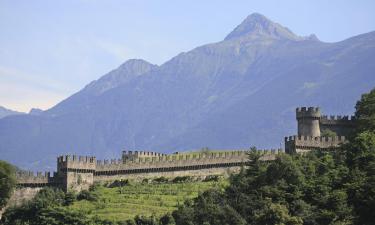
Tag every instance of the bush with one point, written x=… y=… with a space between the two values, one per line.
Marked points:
x=70 y=197
x=145 y=181
x=87 y=195
x=161 y=180
x=214 y=178
x=182 y=179
x=95 y=187
x=119 y=183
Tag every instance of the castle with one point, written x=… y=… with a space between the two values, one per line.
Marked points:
x=80 y=172
x=311 y=126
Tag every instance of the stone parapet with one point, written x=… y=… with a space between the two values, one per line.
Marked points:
x=76 y=162
x=31 y=179
x=337 y=120
x=310 y=112
x=180 y=161
x=296 y=144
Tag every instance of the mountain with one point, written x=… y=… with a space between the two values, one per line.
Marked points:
x=257 y=26
x=7 y=112
x=235 y=93
x=35 y=111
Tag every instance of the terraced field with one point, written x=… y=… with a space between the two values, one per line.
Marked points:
x=119 y=204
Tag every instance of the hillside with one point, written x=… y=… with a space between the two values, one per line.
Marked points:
x=236 y=93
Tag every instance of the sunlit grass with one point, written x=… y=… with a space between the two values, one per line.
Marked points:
x=142 y=199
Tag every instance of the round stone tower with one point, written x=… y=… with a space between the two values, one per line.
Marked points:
x=308 y=121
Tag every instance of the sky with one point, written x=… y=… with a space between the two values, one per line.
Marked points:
x=51 y=49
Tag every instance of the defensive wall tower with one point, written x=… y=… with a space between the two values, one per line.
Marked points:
x=76 y=172
x=311 y=124
x=308 y=121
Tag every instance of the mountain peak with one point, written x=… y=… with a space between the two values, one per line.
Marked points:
x=131 y=63
x=256 y=25
x=127 y=71
x=7 y=112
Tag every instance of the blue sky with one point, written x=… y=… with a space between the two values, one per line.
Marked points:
x=51 y=49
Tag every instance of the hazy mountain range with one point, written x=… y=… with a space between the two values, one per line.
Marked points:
x=235 y=93
x=7 y=112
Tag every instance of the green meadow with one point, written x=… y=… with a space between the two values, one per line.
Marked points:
x=122 y=203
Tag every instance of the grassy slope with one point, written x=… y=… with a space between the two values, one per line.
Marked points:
x=142 y=199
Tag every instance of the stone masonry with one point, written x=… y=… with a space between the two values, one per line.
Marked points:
x=311 y=124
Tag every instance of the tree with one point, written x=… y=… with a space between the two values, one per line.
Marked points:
x=7 y=182
x=361 y=160
x=328 y=133
x=167 y=219
x=365 y=112
x=277 y=214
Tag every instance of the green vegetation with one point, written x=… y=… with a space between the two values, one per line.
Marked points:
x=156 y=198
x=7 y=182
x=328 y=133
x=112 y=203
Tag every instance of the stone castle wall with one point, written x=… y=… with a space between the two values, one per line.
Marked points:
x=341 y=125
x=79 y=173
x=203 y=172
x=172 y=161
x=76 y=172
x=302 y=144
x=311 y=124
x=38 y=179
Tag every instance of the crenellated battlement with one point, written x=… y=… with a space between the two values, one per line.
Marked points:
x=76 y=158
x=310 y=112
x=297 y=144
x=142 y=153
x=310 y=138
x=68 y=162
x=131 y=155
x=178 y=161
x=337 y=120
x=31 y=179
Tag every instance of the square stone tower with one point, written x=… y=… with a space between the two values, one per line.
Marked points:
x=76 y=172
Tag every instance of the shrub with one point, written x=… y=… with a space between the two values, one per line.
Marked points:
x=70 y=197
x=119 y=183
x=87 y=195
x=95 y=187
x=145 y=181
x=214 y=178
x=161 y=180
x=182 y=179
